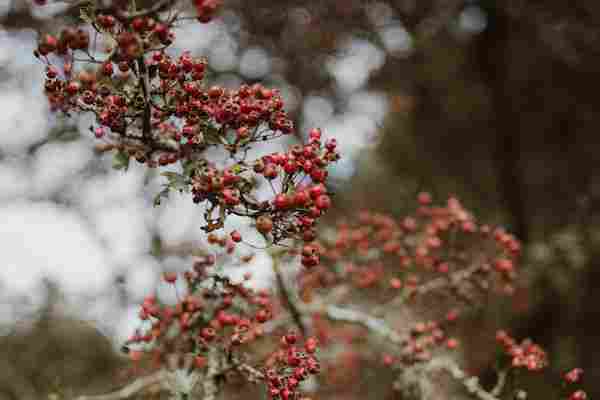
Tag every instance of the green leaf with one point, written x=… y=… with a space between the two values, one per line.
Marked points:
x=237 y=169
x=121 y=160
x=177 y=181
x=191 y=166
x=87 y=13
x=162 y=194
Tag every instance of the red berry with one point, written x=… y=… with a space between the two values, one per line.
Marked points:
x=281 y=201
x=578 y=395
x=208 y=334
x=236 y=236
x=170 y=277
x=395 y=283
x=314 y=134
x=311 y=345
x=138 y=24
x=323 y=202
x=317 y=190
x=301 y=198
x=200 y=362
x=574 y=375
x=262 y=316
x=264 y=224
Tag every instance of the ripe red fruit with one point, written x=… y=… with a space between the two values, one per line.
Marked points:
x=318 y=175
x=388 y=360
x=243 y=132
x=162 y=31
x=236 y=236
x=47 y=45
x=208 y=334
x=311 y=345
x=264 y=224
x=331 y=144
x=270 y=172
x=574 y=375
x=317 y=190
x=281 y=201
x=424 y=198
x=290 y=166
x=107 y=69
x=215 y=92
x=578 y=395
x=51 y=72
x=323 y=202
x=262 y=316
x=301 y=198
x=138 y=24
x=309 y=235
x=200 y=362
x=170 y=277
x=395 y=283
x=310 y=261
x=135 y=355
x=290 y=338
x=73 y=88
x=314 y=134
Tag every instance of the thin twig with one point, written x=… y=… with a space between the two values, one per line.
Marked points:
x=497 y=390
x=289 y=297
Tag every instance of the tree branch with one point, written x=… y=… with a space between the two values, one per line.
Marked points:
x=375 y=325
x=288 y=296
x=497 y=390
x=380 y=328
x=133 y=388
x=470 y=383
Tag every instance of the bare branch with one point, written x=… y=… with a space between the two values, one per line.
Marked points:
x=497 y=390
x=289 y=297
x=380 y=328
x=133 y=388
x=375 y=325
x=209 y=385
x=470 y=383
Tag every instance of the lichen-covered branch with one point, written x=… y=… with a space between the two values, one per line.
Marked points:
x=380 y=328
x=500 y=383
x=341 y=314
x=209 y=384
x=132 y=389
x=288 y=296
x=470 y=383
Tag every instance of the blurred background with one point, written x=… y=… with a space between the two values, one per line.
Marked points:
x=493 y=101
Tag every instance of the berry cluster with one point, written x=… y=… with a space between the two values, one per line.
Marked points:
x=155 y=108
x=206 y=9
x=290 y=366
x=523 y=355
x=572 y=377
x=426 y=337
x=214 y=313
x=295 y=206
x=437 y=248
